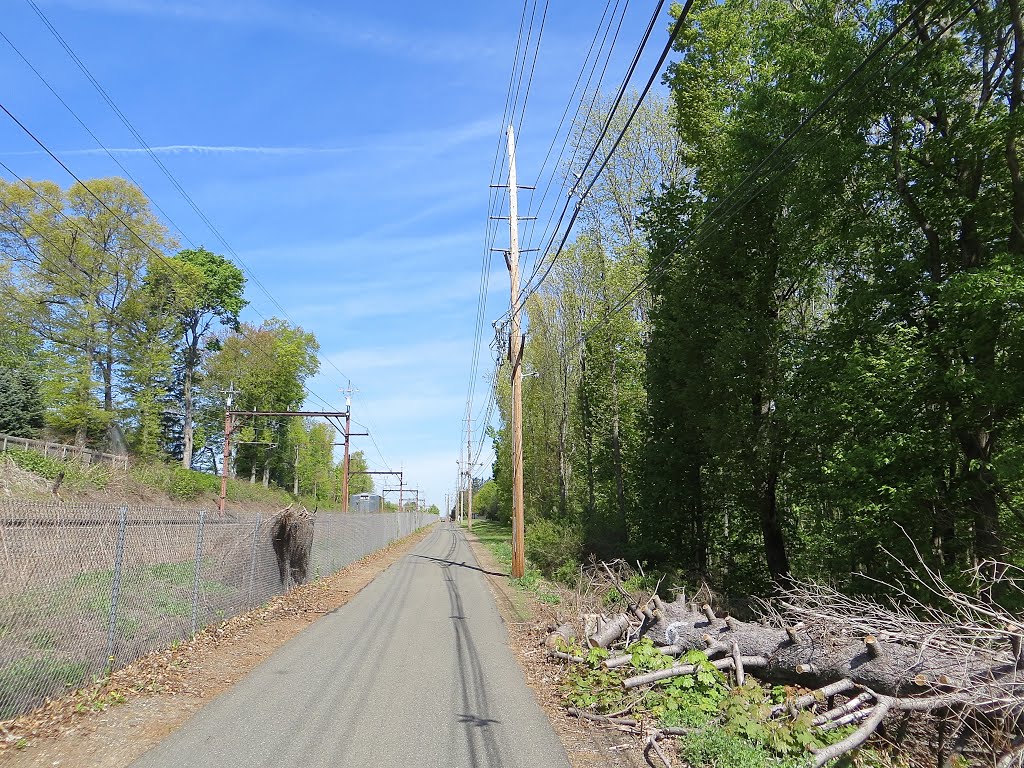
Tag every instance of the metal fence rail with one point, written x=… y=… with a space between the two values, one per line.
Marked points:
x=87 y=587
x=62 y=451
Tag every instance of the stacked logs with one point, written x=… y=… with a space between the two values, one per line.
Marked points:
x=851 y=677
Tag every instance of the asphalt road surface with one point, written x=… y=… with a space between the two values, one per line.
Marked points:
x=414 y=671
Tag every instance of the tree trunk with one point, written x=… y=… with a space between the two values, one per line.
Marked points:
x=699 y=535
x=587 y=438
x=563 y=438
x=620 y=493
x=813 y=660
x=107 y=367
x=266 y=472
x=186 y=433
x=771 y=529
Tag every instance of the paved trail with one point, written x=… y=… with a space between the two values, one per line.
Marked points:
x=414 y=672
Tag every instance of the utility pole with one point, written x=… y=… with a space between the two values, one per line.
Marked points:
x=228 y=424
x=348 y=432
x=515 y=348
x=469 y=469
x=458 y=488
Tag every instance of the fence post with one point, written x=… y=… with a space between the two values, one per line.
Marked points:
x=195 y=581
x=115 y=587
x=252 y=568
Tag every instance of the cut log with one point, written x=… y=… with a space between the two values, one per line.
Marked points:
x=883 y=666
x=562 y=636
x=610 y=632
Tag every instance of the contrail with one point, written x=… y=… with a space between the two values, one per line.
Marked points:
x=201 y=149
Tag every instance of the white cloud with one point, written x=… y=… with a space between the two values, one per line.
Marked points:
x=340 y=29
x=202 y=149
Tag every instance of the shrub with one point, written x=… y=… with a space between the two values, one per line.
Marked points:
x=715 y=749
x=550 y=545
x=75 y=473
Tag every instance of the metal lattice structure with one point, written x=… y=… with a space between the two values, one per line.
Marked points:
x=91 y=587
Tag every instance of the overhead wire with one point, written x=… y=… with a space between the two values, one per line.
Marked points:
x=531 y=287
x=482 y=425
x=94 y=137
x=531 y=225
x=495 y=196
x=162 y=166
x=735 y=206
x=127 y=227
x=148 y=149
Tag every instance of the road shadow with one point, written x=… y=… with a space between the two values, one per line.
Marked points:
x=460 y=565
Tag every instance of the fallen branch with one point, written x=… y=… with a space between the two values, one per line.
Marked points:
x=652 y=744
x=855 y=739
x=623 y=722
x=567 y=657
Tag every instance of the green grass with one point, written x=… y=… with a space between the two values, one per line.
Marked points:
x=35 y=678
x=168 y=478
x=497 y=537
x=162 y=589
x=76 y=475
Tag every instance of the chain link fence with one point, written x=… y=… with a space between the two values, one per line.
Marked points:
x=91 y=587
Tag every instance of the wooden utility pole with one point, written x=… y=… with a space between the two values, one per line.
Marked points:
x=458 y=489
x=469 y=470
x=515 y=346
x=228 y=422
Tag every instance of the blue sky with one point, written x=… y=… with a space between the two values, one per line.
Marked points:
x=343 y=150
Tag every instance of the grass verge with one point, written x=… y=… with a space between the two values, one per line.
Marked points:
x=497 y=537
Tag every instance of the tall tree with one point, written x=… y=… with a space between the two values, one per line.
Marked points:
x=207 y=289
x=75 y=257
x=268 y=365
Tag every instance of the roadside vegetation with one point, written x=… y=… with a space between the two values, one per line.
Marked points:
x=115 y=339
x=753 y=364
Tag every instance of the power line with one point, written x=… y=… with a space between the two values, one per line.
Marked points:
x=531 y=225
x=491 y=232
x=160 y=164
x=579 y=104
x=135 y=133
x=94 y=137
x=170 y=265
x=708 y=221
x=529 y=289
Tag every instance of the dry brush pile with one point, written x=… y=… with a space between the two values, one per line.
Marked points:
x=813 y=678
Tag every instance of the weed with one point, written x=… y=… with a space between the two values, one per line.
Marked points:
x=35 y=678
x=43 y=639
x=713 y=748
x=75 y=473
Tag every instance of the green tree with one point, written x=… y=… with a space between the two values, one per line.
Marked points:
x=21 y=406
x=268 y=366
x=205 y=289
x=75 y=257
